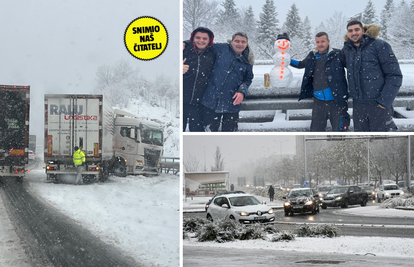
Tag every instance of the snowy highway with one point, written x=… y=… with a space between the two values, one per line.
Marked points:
x=101 y=224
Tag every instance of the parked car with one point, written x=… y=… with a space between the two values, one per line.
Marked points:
x=31 y=155
x=342 y=196
x=244 y=208
x=219 y=194
x=301 y=200
x=370 y=190
x=387 y=191
x=292 y=186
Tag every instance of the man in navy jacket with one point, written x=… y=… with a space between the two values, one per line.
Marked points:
x=231 y=78
x=374 y=77
x=324 y=81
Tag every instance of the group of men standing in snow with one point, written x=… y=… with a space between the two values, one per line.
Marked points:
x=217 y=76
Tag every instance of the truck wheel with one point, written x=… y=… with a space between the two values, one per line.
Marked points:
x=120 y=170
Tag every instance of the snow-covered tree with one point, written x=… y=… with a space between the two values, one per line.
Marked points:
x=268 y=25
x=228 y=21
x=401 y=31
x=293 y=22
x=336 y=29
x=385 y=17
x=369 y=17
x=218 y=161
x=118 y=82
x=191 y=164
x=198 y=13
x=308 y=36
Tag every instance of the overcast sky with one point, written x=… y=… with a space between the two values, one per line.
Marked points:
x=57 y=46
x=236 y=149
x=316 y=10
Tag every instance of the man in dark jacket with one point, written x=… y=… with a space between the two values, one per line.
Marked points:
x=324 y=81
x=374 y=77
x=232 y=76
x=198 y=60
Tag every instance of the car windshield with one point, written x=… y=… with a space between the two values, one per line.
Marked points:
x=391 y=187
x=300 y=193
x=244 y=201
x=338 y=190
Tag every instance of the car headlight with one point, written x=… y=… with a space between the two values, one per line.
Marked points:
x=402 y=193
x=387 y=194
x=287 y=204
x=338 y=198
x=321 y=199
x=320 y=194
x=310 y=202
x=242 y=213
x=207 y=206
x=270 y=211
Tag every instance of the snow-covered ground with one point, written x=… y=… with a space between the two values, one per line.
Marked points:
x=380 y=246
x=139 y=215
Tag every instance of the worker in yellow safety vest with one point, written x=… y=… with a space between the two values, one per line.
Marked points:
x=79 y=161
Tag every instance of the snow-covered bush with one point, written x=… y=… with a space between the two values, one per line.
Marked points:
x=220 y=231
x=326 y=230
x=193 y=225
x=255 y=231
x=271 y=229
x=283 y=236
x=403 y=201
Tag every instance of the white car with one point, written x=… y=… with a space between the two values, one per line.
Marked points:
x=31 y=155
x=244 y=208
x=388 y=191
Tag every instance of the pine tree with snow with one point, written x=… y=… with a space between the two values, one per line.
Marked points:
x=368 y=17
x=268 y=25
x=308 y=37
x=228 y=21
x=293 y=22
x=385 y=17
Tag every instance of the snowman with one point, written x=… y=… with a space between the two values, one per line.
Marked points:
x=281 y=75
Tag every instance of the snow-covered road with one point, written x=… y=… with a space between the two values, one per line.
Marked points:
x=138 y=215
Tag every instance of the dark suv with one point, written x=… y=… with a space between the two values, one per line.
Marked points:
x=301 y=200
x=342 y=196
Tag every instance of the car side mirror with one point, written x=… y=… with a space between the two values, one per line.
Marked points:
x=225 y=206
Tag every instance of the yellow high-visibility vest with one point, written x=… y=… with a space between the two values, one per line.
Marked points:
x=78 y=157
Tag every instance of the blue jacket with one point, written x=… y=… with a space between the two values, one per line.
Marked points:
x=334 y=71
x=231 y=73
x=374 y=75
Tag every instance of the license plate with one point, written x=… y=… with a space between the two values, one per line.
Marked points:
x=297 y=206
x=327 y=201
x=259 y=218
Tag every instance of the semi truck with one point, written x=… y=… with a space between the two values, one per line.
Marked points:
x=14 y=129
x=114 y=141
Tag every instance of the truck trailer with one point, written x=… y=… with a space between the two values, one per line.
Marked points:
x=114 y=141
x=14 y=129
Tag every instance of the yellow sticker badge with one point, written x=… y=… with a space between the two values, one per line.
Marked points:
x=146 y=38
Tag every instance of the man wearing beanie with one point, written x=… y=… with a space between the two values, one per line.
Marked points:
x=374 y=77
x=324 y=81
x=198 y=61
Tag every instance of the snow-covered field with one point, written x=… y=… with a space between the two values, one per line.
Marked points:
x=380 y=246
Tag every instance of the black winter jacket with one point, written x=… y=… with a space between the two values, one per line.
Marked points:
x=334 y=71
x=374 y=75
x=195 y=80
